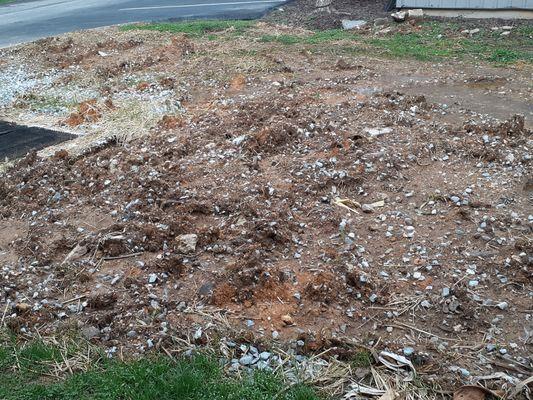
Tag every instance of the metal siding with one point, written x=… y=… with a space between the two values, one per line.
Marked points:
x=467 y=4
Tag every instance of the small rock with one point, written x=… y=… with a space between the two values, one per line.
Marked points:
x=455 y=199
x=416 y=13
x=408 y=351
x=399 y=16
x=246 y=360
x=367 y=208
x=353 y=24
x=187 y=243
x=375 y=132
x=89 y=332
x=473 y=283
x=445 y=292
x=287 y=319
x=238 y=140
x=152 y=278
x=265 y=355
x=503 y=305
x=381 y=21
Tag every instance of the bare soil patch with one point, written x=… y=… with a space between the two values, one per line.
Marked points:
x=290 y=193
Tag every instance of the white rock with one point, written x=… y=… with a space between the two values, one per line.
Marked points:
x=353 y=24
x=187 y=243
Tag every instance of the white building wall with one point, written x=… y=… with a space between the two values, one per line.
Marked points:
x=467 y=4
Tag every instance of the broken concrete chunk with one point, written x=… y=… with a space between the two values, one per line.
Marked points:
x=399 y=16
x=187 y=243
x=375 y=132
x=353 y=24
x=416 y=13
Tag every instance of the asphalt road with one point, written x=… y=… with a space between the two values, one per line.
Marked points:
x=29 y=20
x=17 y=140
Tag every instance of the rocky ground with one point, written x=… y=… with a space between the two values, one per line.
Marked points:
x=299 y=195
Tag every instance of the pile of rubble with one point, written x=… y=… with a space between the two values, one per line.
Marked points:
x=302 y=208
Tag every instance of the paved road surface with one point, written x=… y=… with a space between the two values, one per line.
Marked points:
x=30 y=20
x=17 y=140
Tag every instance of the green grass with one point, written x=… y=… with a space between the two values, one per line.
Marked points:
x=25 y=375
x=438 y=41
x=362 y=359
x=435 y=41
x=6 y=1
x=194 y=28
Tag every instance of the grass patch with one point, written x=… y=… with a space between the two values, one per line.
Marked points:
x=25 y=375
x=362 y=359
x=6 y=1
x=194 y=28
x=283 y=39
x=438 y=41
x=432 y=41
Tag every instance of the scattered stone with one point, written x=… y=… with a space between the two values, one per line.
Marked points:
x=89 y=332
x=425 y=304
x=287 y=319
x=416 y=13
x=381 y=21
x=399 y=16
x=187 y=243
x=349 y=24
x=408 y=351
x=375 y=132
x=246 y=360
x=503 y=305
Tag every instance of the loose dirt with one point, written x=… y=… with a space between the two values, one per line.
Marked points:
x=276 y=191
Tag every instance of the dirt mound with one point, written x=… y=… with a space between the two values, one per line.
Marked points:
x=285 y=195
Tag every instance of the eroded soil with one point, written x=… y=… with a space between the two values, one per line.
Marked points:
x=332 y=195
